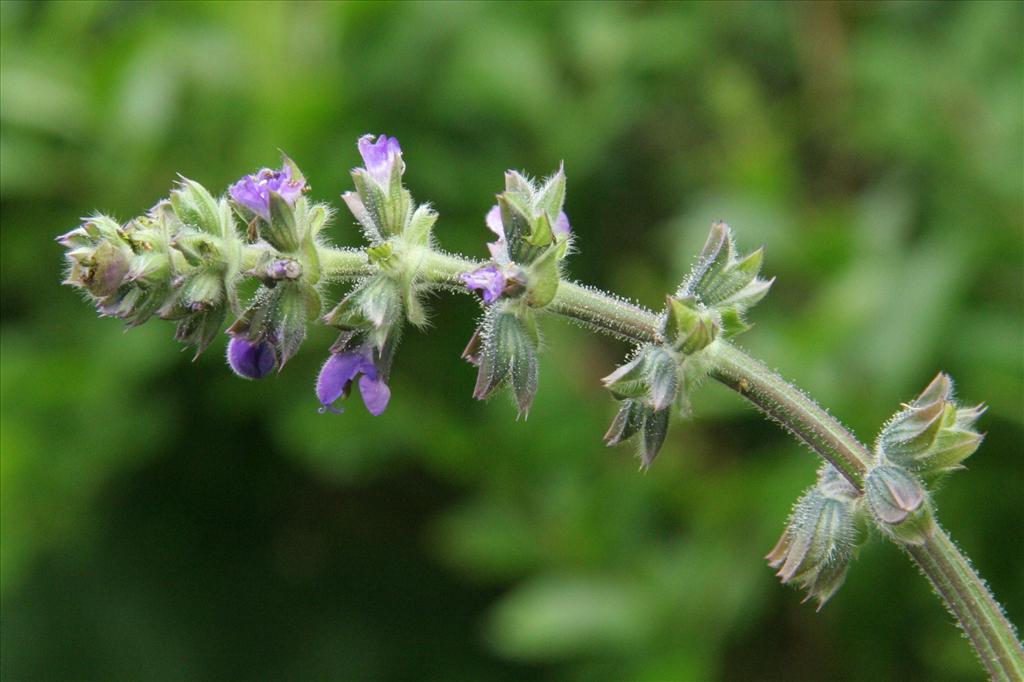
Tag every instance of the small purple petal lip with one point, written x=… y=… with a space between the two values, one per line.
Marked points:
x=251 y=360
x=376 y=394
x=561 y=225
x=489 y=280
x=336 y=379
x=493 y=220
x=380 y=156
x=253 y=191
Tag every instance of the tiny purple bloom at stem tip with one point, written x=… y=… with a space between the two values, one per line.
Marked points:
x=380 y=156
x=253 y=191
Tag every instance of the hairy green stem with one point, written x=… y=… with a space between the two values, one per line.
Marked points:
x=959 y=586
x=789 y=406
x=973 y=606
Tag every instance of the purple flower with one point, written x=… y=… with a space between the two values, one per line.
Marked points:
x=488 y=279
x=251 y=360
x=337 y=375
x=380 y=157
x=253 y=191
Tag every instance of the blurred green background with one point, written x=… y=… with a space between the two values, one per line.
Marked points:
x=163 y=520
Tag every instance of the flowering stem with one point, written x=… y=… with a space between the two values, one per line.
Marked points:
x=344 y=263
x=968 y=599
x=605 y=313
x=959 y=586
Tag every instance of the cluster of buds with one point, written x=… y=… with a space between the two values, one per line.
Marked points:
x=823 y=534
x=646 y=386
x=710 y=303
x=522 y=277
x=715 y=296
x=930 y=437
x=179 y=261
x=287 y=227
x=371 y=316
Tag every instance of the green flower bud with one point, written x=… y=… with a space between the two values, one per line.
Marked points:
x=724 y=284
x=652 y=377
x=688 y=327
x=195 y=206
x=822 y=537
x=200 y=327
x=636 y=417
x=507 y=354
x=530 y=219
x=932 y=435
x=647 y=385
x=421 y=224
x=375 y=304
x=899 y=503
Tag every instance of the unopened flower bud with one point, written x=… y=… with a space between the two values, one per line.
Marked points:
x=900 y=504
x=652 y=376
x=283 y=268
x=380 y=203
x=508 y=355
x=251 y=360
x=688 y=327
x=196 y=207
x=376 y=304
x=723 y=282
x=636 y=417
x=932 y=435
x=821 y=537
x=529 y=220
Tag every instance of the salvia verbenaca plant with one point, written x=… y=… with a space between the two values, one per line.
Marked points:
x=184 y=259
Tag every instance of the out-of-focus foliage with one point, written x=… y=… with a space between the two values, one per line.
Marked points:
x=165 y=520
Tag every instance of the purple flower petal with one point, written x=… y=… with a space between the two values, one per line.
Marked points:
x=499 y=251
x=376 y=394
x=493 y=220
x=380 y=156
x=335 y=377
x=561 y=225
x=253 y=191
x=489 y=280
x=251 y=360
